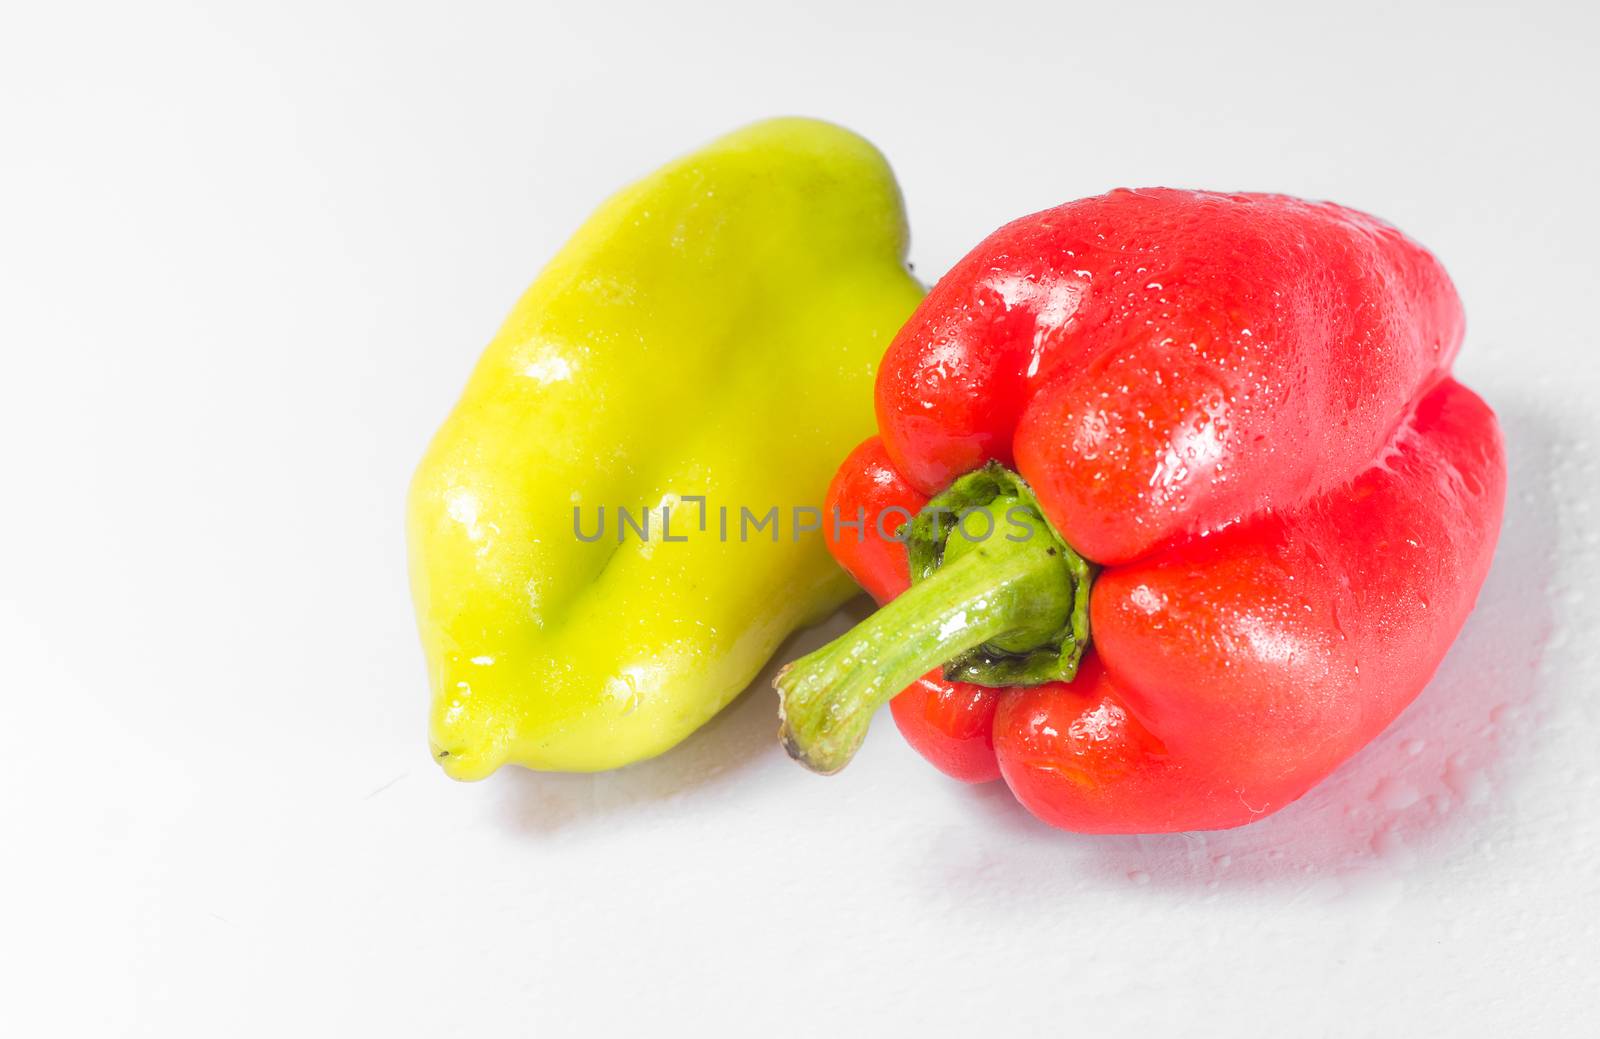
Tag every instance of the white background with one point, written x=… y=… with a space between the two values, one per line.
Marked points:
x=248 y=257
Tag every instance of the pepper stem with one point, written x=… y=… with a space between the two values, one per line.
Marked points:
x=1006 y=607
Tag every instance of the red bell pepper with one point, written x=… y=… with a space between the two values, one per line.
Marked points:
x=1229 y=423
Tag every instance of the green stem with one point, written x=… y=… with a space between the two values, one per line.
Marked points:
x=988 y=590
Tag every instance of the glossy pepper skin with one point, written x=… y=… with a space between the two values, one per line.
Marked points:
x=712 y=330
x=1240 y=407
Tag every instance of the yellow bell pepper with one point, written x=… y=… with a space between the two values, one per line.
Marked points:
x=711 y=333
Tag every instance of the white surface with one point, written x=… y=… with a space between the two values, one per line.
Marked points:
x=247 y=260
